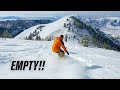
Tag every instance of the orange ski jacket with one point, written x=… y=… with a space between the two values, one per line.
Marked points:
x=57 y=44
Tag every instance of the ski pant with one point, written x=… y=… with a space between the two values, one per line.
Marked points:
x=61 y=53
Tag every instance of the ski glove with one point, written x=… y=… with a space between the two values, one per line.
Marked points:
x=67 y=52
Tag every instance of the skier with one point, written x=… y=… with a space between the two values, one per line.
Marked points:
x=56 y=47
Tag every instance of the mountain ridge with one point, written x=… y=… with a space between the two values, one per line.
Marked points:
x=74 y=30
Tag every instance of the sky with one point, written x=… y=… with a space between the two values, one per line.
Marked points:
x=59 y=13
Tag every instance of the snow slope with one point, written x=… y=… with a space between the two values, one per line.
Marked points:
x=82 y=63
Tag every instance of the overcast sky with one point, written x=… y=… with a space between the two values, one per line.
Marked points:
x=59 y=13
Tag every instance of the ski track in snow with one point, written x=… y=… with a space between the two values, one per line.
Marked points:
x=82 y=63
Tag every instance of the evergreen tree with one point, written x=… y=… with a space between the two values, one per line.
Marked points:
x=64 y=24
x=40 y=29
x=74 y=37
x=30 y=37
x=106 y=45
x=94 y=41
x=66 y=37
x=42 y=39
x=85 y=41
x=37 y=37
x=69 y=29
x=35 y=31
x=38 y=32
x=69 y=24
x=26 y=38
x=49 y=39
x=10 y=35
x=6 y=34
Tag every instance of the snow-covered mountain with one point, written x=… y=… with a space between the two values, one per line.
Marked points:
x=10 y=18
x=63 y=26
x=74 y=30
x=102 y=22
x=52 y=18
x=15 y=27
x=58 y=26
x=108 y=25
x=5 y=18
x=45 y=31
